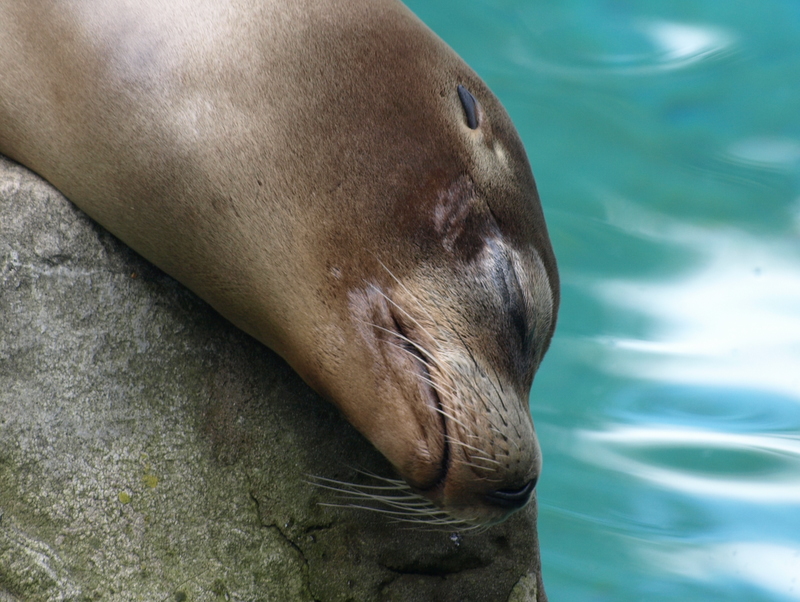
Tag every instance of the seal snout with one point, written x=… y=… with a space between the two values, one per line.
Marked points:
x=462 y=434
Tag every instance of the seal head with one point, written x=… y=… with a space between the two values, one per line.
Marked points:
x=335 y=181
x=463 y=333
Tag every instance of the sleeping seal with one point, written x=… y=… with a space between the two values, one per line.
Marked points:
x=336 y=182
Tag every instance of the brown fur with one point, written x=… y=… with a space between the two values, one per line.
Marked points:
x=305 y=167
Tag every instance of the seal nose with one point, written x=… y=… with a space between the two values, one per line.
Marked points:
x=511 y=499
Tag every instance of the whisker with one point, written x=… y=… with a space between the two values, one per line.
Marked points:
x=407 y=505
x=471 y=385
x=491 y=469
x=409 y=498
x=467 y=430
x=378 y=477
x=478 y=368
x=503 y=435
x=404 y=311
x=398 y=515
x=435 y=385
x=427 y=356
x=346 y=486
x=447 y=369
x=428 y=359
x=401 y=504
x=407 y=509
x=355 y=494
x=485 y=416
x=404 y=506
x=453 y=419
x=497 y=378
x=408 y=292
x=438 y=388
x=479 y=453
x=431 y=361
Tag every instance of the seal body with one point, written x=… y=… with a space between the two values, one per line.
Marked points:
x=336 y=182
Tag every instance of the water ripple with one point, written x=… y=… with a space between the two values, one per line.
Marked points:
x=763 y=468
x=733 y=321
x=637 y=47
x=766 y=153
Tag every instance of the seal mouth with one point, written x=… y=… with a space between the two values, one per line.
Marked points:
x=421 y=360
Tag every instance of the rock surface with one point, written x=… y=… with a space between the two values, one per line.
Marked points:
x=151 y=451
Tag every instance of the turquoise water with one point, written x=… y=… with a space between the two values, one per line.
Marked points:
x=665 y=139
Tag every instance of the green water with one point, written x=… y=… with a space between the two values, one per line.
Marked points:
x=665 y=139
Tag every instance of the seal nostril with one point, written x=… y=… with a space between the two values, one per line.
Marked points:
x=511 y=499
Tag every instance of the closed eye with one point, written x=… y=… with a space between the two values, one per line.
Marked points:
x=513 y=300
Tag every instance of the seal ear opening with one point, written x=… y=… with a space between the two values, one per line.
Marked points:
x=472 y=109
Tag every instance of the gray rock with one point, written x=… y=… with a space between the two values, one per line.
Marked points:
x=151 y=451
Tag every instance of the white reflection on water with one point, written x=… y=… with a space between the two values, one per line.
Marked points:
x=682 y=44
x=772 y=567
x=735 y=321
x=618 y=448
x=631 y=47
x=766 y=152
